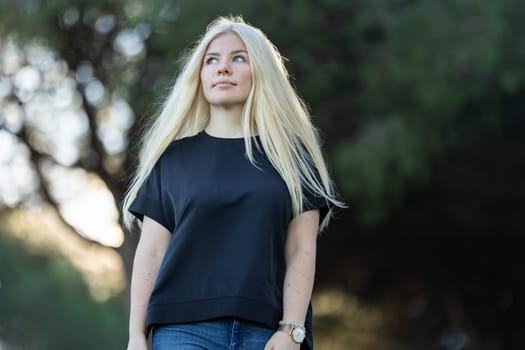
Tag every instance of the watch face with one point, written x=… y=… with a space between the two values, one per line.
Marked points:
x=298 y=335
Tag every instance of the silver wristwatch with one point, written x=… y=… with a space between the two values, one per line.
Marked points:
x=295 y=330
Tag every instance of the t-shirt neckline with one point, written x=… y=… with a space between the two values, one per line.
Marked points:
x=224 y=139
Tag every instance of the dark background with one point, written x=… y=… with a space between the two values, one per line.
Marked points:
x=421 y=108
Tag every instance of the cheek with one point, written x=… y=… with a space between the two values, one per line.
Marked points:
x=203 y=77
x=248 y=79
x=204 y=81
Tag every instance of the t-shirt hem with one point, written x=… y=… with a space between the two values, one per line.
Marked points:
x=201 y=310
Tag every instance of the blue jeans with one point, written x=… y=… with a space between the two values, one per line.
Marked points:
x=220 y=334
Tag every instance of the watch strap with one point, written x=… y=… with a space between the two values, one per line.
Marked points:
x=290 y=327
x=291 y=324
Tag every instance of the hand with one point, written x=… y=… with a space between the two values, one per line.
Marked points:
x=137 y=343
x=281 y=341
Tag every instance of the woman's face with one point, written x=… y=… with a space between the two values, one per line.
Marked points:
x=226 y=76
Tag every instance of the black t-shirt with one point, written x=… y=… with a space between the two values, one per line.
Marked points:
x=229 y=221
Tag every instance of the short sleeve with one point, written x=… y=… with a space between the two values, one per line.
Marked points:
x=314 y=201
x=149 y=200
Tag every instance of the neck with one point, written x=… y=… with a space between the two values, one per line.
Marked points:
x=225 y=122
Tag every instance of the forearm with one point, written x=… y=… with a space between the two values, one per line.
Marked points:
x=298 y=283
x=145 y=271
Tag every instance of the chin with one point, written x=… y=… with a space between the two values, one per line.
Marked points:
x=227 y=103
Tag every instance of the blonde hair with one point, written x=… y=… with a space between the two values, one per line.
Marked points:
x=272 y=109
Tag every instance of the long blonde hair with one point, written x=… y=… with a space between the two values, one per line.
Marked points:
x=273 y=110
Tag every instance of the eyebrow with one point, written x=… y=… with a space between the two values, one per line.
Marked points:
x=231 y=53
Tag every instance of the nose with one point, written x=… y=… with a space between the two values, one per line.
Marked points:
x=224 y=68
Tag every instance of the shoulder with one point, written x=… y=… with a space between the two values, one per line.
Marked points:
x=182 y=145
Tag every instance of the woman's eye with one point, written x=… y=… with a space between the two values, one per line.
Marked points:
x=211 y=60
x=239 y=59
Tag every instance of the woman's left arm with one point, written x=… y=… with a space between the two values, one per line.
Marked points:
x=300 y=251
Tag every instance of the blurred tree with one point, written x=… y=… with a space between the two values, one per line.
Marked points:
x=388 y=81
x=392 y=84
x=44 y=304
x=431 y=73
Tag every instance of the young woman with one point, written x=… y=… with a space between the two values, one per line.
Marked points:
x=232 y=190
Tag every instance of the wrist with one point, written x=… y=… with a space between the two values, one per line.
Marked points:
x=135 y=333
x=137 y=336
x=137 y=328
x=296 y=331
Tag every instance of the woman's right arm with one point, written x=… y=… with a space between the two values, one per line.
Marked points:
x=150 y=251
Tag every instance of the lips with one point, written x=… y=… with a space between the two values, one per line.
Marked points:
x=224 y=83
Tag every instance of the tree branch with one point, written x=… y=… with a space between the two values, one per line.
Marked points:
x=36 y=157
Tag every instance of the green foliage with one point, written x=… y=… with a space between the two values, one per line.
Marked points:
x=44 y=304
x=38 y=19
x=391 y=84
x=424 y=65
